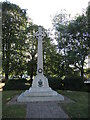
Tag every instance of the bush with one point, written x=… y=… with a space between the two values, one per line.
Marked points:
x=16 y=84
x=55 y=83
x=68 y=83
x=74 y=83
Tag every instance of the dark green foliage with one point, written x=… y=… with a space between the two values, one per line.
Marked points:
x=14 y=23
x=50 y=58
x=31 y=50
x=72 y=41
x=19 y=48
x=55 y=83
x=74 y=83
x=79 y=39
x=88 y=17
x=68 y=83
x=16 y=84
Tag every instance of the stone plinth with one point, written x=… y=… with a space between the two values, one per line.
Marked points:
x=25 y=99
x=40 y=91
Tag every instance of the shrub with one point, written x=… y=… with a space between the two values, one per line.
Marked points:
x=74 y=83
x=54 y=83
x=16 y=84
x=68 y=83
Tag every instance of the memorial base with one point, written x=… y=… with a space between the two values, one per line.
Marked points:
x=40 y=91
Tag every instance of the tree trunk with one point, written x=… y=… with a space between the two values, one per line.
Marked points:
x=21 y=76
x=7 y=59
x=31 y=78
x=82 y=73
x=6 y=77
x=82 y=70
x=6 y=70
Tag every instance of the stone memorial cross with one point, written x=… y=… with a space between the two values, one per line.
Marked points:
x=40 y=90
x=40 y=35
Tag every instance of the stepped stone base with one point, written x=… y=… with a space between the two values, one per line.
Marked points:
x=40 y=91
x=23 y=98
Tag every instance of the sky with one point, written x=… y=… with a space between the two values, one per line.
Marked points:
x=42 y=11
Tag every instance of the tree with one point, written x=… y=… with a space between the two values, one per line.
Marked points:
x=49 y=57
x=79 y=37
x=13 y=36
x=31 y=50
x=60 y=23
x=88 y=17
x=19 y=45
x=72 y=38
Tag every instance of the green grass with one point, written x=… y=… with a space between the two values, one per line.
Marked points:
x=79 y=109
x=12 y=111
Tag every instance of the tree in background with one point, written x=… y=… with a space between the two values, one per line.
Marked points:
x=79 y=36
x=20 y=45
x=60 y=23
x=31 y=50
x=49 y=57
x=88 y=17
x=14 y=22
x=72 y=38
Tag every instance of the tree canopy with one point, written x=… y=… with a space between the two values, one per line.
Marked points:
x=72 y=38
x=13 y=37
x=19 y=46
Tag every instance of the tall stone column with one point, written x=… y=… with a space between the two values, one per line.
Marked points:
x=40 y=35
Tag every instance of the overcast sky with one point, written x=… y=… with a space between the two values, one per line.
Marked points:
x=42 y=11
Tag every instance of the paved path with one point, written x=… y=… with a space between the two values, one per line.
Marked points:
x=45 y=110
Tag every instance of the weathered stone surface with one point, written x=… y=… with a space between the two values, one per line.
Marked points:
x=36 y=98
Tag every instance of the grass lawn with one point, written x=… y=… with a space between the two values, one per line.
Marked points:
x=79 y=109
x=12 y=111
